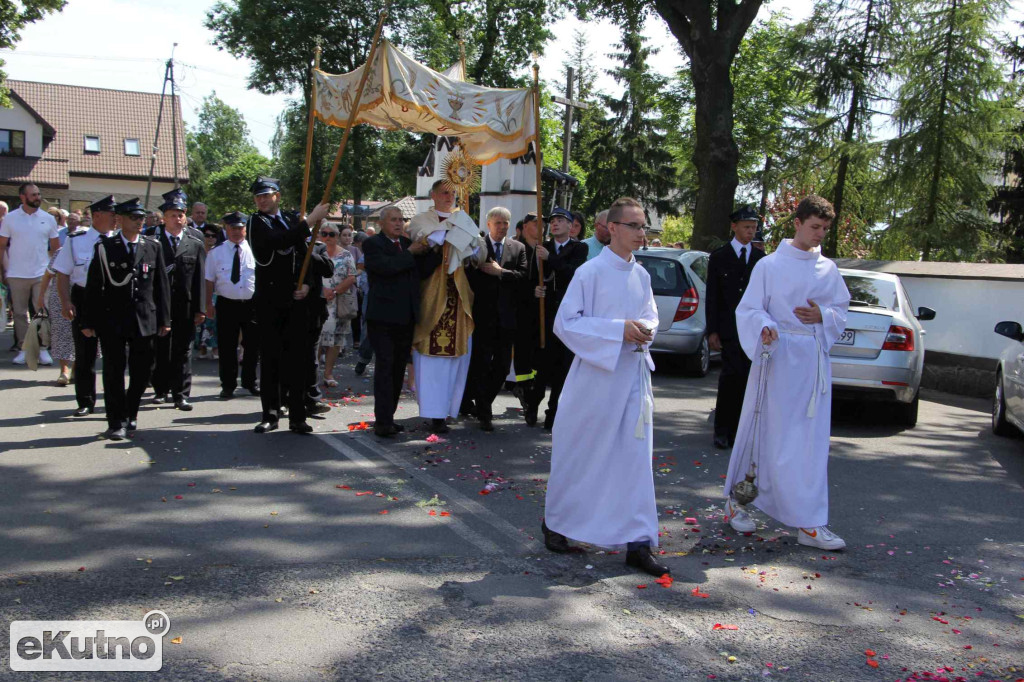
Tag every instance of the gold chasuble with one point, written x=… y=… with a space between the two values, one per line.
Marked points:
x=446 y=313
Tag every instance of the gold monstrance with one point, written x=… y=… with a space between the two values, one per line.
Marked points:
x=460 y=175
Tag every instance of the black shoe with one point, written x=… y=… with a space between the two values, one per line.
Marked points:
x=384 y=430
x=439 y=426
x=161 y=398
x=530 y=414
x=82 y=412
x=318 y=408
x=398 y=428
x=722 y=442
x=645 y=561
x=360 y=367
x=133 y=426
x=300 y=428
x=253 y=390
x=183 y=404
x=227 y=393
x=266 y=427
x=486 y=424
x=556 y=542
x=467 y=409
x=120 y=433
x=549 y=421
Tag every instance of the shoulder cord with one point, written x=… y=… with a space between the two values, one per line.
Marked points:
x=106 y=268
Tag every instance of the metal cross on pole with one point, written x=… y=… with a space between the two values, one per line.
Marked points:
x=569 y=104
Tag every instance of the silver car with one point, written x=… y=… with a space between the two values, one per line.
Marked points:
x=678 y=279
x=1008 y=404
x=880 y=355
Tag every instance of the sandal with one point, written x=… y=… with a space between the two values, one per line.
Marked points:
x=329 y=382
x=63 y=379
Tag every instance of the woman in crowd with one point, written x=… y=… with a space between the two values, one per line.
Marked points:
x=340 y=294
x=62 y=341
x=206 y=333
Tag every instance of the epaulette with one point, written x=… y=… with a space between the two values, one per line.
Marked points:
x=77 y=233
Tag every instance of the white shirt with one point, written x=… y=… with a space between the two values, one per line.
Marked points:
x=30 y=237
x=128 y=242
x=218 y=270
x=736 y=246
x=74 y=257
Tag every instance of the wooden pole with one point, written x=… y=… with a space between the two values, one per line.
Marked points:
x=540 y=198
x=309 y=131
x=344 y=140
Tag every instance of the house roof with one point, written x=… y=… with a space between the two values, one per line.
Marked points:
x=73 y=112
x=42 y=172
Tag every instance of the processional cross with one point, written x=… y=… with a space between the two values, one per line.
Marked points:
x=569 y=104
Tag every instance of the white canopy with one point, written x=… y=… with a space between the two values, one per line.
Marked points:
x=400 y=93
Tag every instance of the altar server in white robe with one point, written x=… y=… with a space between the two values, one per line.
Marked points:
x=795 y=305
x=601 y=488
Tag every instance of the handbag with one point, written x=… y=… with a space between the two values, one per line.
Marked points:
x=347 y=305
x=745 y=491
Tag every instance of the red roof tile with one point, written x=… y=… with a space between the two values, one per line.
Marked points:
x=43 y=172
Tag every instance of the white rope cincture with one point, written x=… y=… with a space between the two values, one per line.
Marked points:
x=646 y=398
x=821 y=370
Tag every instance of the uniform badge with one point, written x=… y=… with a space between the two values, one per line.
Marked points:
x=145 y=268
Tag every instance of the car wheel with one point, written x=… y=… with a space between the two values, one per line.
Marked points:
x=906 y=413
x=1000 y=426
x=699 y=363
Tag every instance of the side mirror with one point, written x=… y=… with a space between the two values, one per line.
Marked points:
x=1011 y=330
x=924 y=314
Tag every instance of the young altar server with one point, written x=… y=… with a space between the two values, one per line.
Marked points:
x=795 y=305
x=601 y=488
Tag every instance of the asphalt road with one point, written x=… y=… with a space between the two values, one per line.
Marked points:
x=338 y=555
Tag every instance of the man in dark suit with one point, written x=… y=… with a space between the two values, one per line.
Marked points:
x=561 y=256
x=392 y=309
x=185 y=259
x=279 y=243
x=177 y=197
x=496 y=285
x=127 y=305
x=729 y=269
x=527 y=313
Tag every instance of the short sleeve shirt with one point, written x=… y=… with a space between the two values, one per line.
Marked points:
x=29 y=244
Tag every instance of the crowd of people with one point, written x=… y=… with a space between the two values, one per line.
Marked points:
x=461 y=312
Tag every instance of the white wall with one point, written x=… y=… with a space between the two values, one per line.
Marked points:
x=966 y=311
x=17 y=118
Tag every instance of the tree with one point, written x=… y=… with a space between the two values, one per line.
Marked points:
x=14 y=16
x=219 y=140
x=847 y=48
x=952 y=115
x=631 y=144
x=228 y=187
x=1008 y=203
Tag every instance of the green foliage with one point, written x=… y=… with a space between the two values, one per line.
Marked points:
x=676 y=229
x=218 y=142
x=228 y=187
x=14 y=16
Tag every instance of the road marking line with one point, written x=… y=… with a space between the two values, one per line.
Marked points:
x=457 y=526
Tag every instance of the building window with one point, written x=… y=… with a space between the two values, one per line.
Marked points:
x=131 y=147
x=12 y=143
x=92 y=144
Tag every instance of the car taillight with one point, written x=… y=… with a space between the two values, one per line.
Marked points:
x=687 y=305
x=899 y=338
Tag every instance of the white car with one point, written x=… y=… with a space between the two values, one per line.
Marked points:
x=1008 y=405
x=880 y=356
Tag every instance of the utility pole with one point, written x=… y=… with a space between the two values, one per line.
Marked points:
x=168 y=78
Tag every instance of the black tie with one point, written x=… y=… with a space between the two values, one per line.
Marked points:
x=236 y=265
x=174 y=243
x=743 y=254
x=131 y=250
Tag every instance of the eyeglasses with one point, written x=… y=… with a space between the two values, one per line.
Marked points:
x=328 y=234
x=636 y=227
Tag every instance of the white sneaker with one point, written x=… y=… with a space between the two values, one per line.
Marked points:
x=738 y=518
x=19 y=359
x=820 y=537
x=44 y=357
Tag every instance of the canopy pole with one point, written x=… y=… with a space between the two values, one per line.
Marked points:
x=353 y=113
x=309 y=131
x=540 y=198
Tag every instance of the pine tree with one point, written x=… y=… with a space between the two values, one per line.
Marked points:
x=952 y=115
x=1008 y=204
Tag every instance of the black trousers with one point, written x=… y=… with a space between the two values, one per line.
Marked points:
x=234 y=319
x=284 y=359
x=85 y=353
x=553 y=363
x=732 y=384
x=137 y=354
x=488 y=366
x=172 y=372
x=527 y=338
x=392 y=344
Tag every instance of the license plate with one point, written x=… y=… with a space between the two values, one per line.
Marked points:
x=846 y=338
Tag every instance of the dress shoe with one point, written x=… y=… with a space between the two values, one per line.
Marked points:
x=439 y=426
x=398 y=428
x=82 y=411
x=556 y=542
x=183 y=404
x=530 y=415
x=266 y=427
x=133 y=426
x=384 y=430
x=300 y=428
x=360 y=367
x=549 y=421
x=486 y=424
x=227 y=393
x=253 y=390
x=722 y=442
x=318 y=408
x=161 y=398
x=120 y=433
x=645 y=561
x=467 y=409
